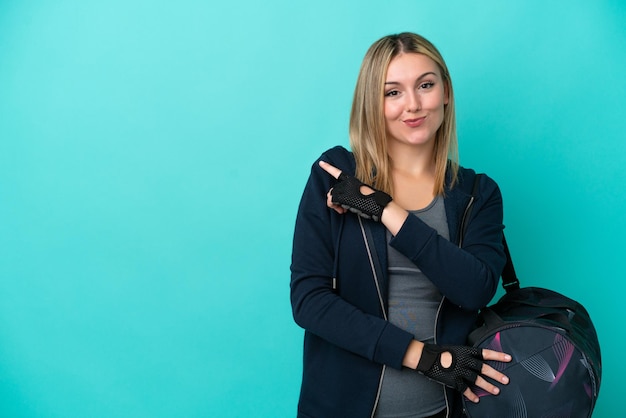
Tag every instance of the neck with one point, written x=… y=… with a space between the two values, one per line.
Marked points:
x=413 y=160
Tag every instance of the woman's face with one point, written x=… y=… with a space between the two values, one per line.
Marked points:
x=414 y=99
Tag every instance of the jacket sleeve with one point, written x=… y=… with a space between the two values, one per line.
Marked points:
x=467 y=276
x=316 y=306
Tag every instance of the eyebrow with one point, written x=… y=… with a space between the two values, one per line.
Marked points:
x=418 y=78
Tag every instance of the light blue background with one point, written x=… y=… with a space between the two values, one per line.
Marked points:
x=152 y=156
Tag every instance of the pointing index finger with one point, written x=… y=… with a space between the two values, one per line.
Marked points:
x=330 y=169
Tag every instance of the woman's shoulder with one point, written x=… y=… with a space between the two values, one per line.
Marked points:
x=466 y=177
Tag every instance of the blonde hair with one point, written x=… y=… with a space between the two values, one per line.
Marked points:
x=368 y=135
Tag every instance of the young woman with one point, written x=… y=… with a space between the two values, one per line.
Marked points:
x=380 y=282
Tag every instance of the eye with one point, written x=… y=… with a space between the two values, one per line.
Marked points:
x=427 y=85
x=392 y=93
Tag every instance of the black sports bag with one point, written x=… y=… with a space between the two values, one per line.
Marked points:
x=556 y=367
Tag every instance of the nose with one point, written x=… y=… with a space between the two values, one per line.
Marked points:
x=413 y=102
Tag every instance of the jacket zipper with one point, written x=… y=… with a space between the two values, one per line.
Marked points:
x=445 y=392
x=371 y=260
x=461 y=233
x=380 y=387
x=464 y=220
x=382 y=307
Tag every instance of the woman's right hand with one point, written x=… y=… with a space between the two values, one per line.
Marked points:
x=351 y=194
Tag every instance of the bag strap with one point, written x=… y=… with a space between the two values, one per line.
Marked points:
x=510 y=282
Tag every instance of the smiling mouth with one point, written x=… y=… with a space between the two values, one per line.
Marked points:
x=414 y=122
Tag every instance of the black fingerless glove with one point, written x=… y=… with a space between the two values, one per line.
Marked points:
x=467 y=363
x=347 y=194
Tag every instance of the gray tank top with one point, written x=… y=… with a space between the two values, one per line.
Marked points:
x=413 y=303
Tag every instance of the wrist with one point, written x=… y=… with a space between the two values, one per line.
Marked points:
x=393 y=217
x=413 y=354
x=430 y=355
x=382 y=199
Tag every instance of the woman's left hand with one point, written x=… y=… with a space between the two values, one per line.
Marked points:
x=491 y=373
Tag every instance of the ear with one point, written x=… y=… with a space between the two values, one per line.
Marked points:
x=446 y=94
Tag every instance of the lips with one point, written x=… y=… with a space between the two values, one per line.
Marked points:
x=414 y=123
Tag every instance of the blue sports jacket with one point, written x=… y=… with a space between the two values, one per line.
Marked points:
x=339 y=285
